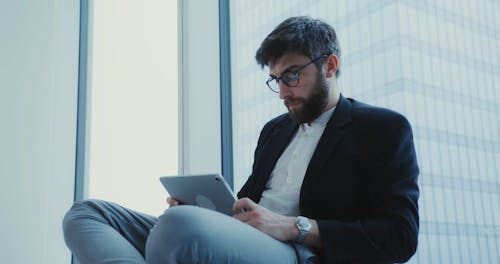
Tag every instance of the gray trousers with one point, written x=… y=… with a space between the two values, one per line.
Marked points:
x=102 y=232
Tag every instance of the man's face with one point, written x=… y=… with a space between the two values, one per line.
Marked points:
x=308 y=99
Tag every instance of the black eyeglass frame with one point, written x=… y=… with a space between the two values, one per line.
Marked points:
x=291 y=75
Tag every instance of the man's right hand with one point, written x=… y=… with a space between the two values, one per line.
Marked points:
x=172 y=202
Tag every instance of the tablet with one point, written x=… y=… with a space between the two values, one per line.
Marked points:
x=208 y=191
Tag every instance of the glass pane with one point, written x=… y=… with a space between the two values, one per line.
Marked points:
x=133 y=102
x=434 y=61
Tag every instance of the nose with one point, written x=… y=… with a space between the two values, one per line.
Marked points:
x=285 y=91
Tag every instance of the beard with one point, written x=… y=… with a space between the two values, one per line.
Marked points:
x=313 y=105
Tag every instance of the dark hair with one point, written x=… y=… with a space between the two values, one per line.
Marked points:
x=301 y=34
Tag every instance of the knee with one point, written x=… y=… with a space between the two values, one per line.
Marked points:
x=177 y=222
x=81 y=211
x=185 y=215
x=181 y=234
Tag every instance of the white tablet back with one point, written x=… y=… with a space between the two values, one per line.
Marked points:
x=209 y=191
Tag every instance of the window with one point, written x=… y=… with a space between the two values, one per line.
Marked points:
x=132 y=102
x=426 y=71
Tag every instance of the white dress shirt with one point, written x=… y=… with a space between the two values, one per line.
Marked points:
x=283 y=188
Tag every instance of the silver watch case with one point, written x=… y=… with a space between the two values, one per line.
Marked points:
x=304 y=227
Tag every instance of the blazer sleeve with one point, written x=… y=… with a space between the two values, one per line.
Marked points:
x=388 y=230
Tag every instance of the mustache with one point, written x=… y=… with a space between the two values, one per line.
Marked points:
x=290 y=101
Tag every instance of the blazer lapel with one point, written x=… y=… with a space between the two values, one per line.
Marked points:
x=331 y=136
x=278 y=141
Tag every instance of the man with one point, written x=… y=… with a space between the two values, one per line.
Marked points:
x=334 y=180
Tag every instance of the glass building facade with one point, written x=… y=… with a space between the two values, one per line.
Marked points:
x=438 y=63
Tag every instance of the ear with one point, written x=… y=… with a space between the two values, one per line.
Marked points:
x=332 y=65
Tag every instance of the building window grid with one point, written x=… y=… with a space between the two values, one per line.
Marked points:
x=439 y=126
x=458 y=233
x=491 y=237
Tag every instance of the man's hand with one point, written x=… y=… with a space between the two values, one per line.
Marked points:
x=278 y=226
x=172 y=202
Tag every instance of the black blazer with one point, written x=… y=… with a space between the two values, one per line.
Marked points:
x=360 y=185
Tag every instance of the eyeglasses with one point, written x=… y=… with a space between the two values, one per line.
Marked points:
x=291 y=77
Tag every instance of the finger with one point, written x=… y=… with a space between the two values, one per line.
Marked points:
x=172 y=202
x=244 y=203
x=243 y=217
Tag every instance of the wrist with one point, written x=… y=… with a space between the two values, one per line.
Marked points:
x=294 y=229
x=289 y=230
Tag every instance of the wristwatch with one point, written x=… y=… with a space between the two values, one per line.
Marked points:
x=304 y=226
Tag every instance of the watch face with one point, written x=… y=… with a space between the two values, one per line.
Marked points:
x=304 y=226
x=303 y=223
